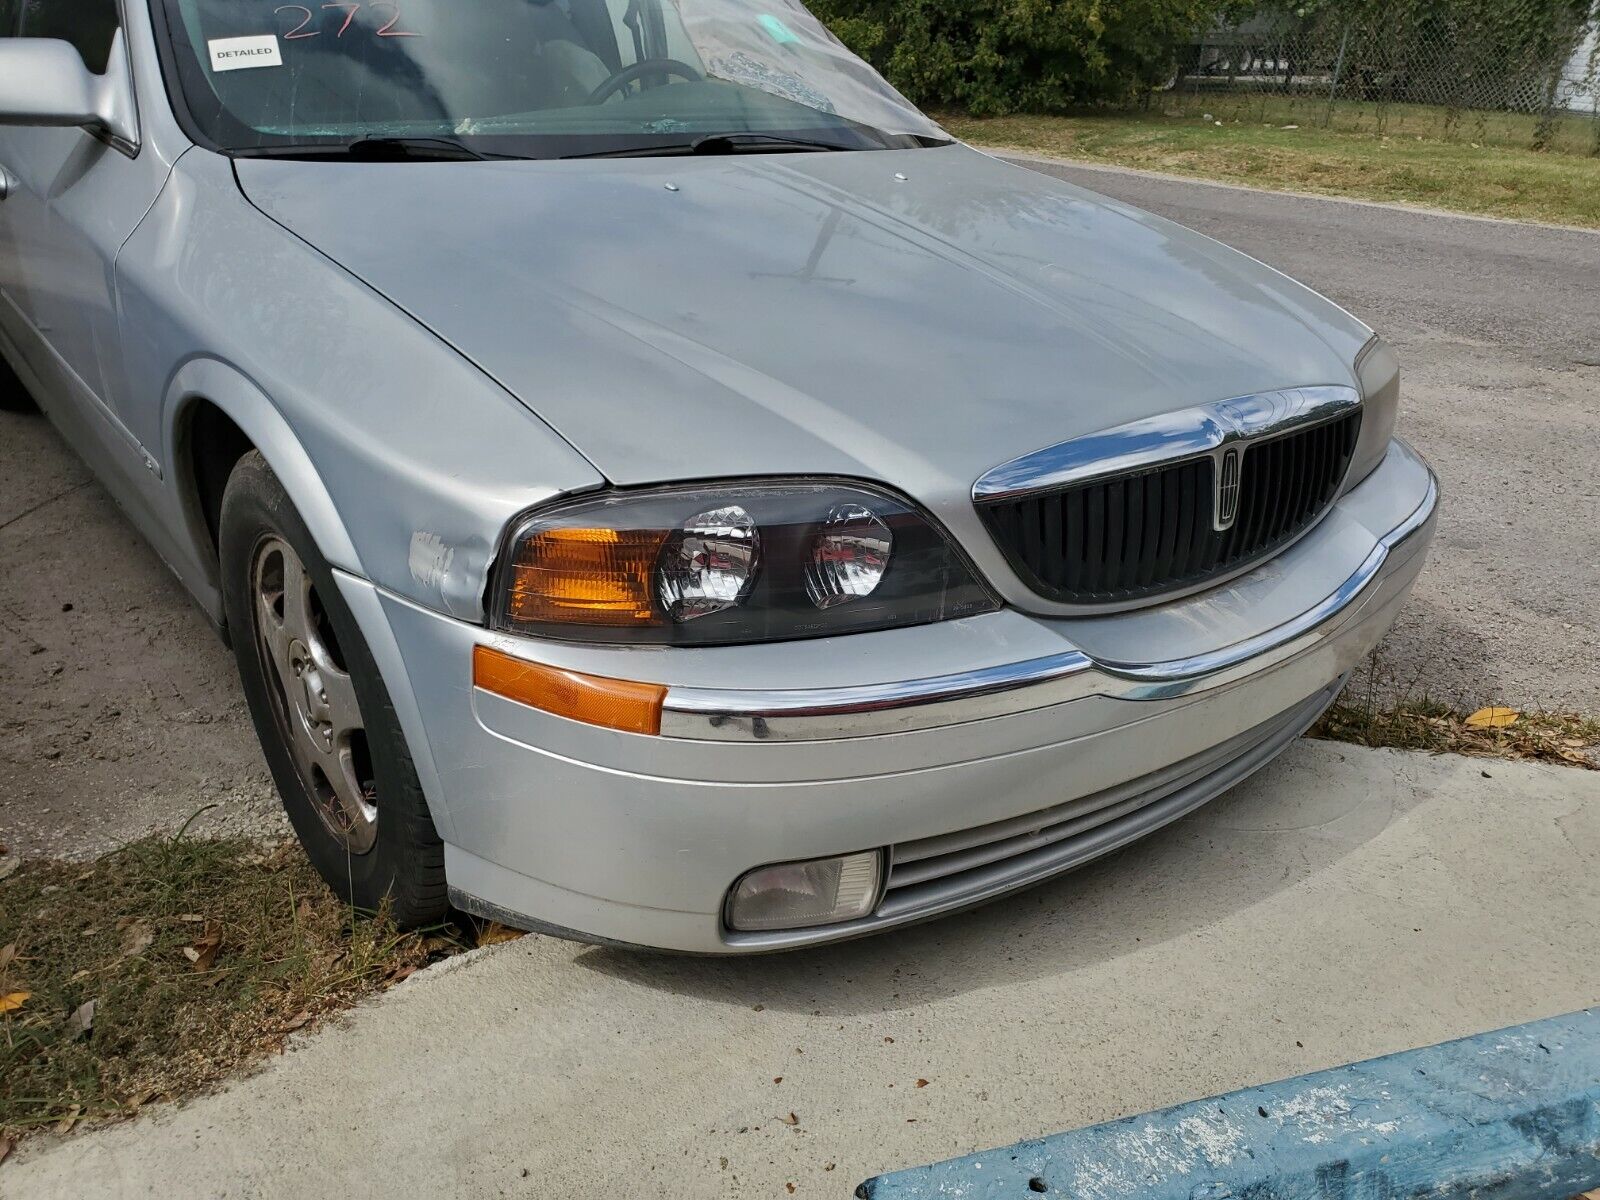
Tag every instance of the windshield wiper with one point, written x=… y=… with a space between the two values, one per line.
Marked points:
x=737 y=143
x=374 y=149
x=743 y=142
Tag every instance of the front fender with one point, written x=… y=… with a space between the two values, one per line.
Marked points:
x=405 y=459
x=247 y=406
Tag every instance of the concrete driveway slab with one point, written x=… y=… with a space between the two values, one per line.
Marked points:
x=1344 y=903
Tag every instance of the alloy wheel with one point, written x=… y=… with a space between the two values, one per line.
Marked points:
x=314 y=698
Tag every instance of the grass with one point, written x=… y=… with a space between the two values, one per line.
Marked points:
x=169 y=964
x=1377 y=710
x=1567 y=133
x=1564 y=738
x=1408 y=159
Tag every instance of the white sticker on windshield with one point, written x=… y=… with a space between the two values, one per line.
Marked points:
x=233 y=54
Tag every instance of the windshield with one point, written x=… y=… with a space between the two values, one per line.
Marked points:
x=529 y=78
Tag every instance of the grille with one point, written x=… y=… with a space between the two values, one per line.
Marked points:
x=1153 y=531
x=937 y=873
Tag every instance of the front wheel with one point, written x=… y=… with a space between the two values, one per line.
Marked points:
x=327 y=728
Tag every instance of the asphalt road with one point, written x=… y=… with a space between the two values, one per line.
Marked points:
x=119 y=710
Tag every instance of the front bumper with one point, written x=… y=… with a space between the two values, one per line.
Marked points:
x=984 y=754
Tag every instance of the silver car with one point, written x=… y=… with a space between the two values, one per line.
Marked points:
x=659 y=488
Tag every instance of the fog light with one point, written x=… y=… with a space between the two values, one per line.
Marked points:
x=823 y=891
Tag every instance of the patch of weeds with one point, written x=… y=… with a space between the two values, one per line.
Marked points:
x=163 y=967
x=1423 y=725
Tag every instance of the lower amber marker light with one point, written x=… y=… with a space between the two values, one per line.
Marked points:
x=593 y=699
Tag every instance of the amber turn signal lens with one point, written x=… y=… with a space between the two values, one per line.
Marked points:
x=615 y=703
x=585 y=576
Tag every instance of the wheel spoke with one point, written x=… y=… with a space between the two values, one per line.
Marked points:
x=297 y=618
x=275 y=638
x=344 y=713
x=355 y=813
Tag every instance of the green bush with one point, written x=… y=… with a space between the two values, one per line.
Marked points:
x=991 y=57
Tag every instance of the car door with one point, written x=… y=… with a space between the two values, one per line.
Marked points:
x=73 y=198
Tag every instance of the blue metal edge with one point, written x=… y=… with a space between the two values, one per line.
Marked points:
x=1509 y=1115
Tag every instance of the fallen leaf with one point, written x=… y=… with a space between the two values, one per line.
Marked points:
x=7 y=954
x=922 y=1083
x=203 y=953
x=494 y=933
x=1492 y=718
x=401 y=974
x=69 y=1119
x=5 y=1148
x=297 y=1021
x=136 y=938
x=12 y=1001
x=191 y=918
x=791 y=1119
x=303 y=910
x=8 y=865
x=81 y=1021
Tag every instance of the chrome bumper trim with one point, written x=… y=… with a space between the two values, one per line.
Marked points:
x=716 y=714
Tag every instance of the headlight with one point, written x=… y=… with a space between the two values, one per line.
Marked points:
x=1378 y=372
x=709 y=565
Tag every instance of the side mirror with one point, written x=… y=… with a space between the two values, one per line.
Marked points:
x=43 y=82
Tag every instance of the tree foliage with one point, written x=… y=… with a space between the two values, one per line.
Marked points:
x=991 y=57
x=998 y=56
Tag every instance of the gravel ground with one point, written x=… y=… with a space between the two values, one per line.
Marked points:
x=121 y=712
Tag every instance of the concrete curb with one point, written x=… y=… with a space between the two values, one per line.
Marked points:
x=1514 y=1114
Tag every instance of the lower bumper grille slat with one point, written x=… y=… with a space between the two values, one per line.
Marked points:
x=938 y=871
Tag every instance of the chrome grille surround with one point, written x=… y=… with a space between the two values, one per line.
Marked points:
x=1173 y=503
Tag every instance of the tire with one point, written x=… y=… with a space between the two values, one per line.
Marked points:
x=340 y=762
x=13 y=396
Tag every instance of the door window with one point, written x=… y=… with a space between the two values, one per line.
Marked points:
x=88 y=24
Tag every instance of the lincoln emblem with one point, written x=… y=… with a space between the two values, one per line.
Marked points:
x=1226 y=507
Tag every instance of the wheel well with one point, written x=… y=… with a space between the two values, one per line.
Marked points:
x=212 y=445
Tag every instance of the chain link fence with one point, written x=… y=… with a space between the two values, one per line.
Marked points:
x=1513 y=72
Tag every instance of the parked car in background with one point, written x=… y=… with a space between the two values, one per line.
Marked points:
x=658 y=487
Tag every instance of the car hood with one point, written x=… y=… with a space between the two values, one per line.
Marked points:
x=913 y=316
